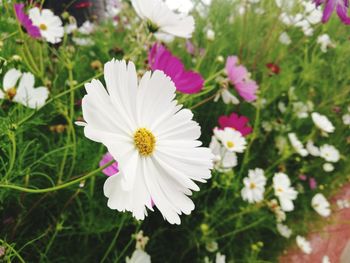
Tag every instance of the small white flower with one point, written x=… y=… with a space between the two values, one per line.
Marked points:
x=153 y=139
x=343 y=203
x=329 y=153
x=321 y=205
x=232 y=140
x=50 y=26
x=139 y=256
x=284 y=191
x=220 y=258
x=162 y=18
x=297 y=145
x=285 y=39
x=254 y=186
x=226 y=96
x=224 y=160
x=301 y=109
x=346 y=119
x=312 y=149
x=282 y=107
x=71 y=26
x=284 y=230
x=212 y=246
x=322 y=122
x=83 y=41
x=23 y=93
x=325 y=42
x=210 y=35
x=304 y=245
x=328 y=167
x=87 y=28
x=326 y=259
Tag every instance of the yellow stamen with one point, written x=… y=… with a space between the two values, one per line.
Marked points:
x=252 y=186
x=11 y=93
x=230 y=144
x=144 y=141
x=43 y=27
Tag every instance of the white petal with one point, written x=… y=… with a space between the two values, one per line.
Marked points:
x=10 y=79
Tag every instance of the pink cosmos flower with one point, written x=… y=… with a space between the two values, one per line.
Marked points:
x=239 y=77
x=312 y=183
x=112 y=169
x=185 y=81
x=236 y=122
x=340 y=6
x=26 y=22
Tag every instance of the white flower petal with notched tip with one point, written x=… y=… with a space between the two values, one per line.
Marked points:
x=154 y=141
x=284 y=230
x=322 y=122
x=312 y=149
x=297 y=145
x=11 y=78
x=50 y=26
x=284 y=191
x=304 y=245
x=139 y=256
x=321 y=205
x=162 y=17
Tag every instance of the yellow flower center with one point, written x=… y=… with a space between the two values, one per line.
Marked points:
x=230 y=144
x=43 y=27
x=280 y=190
x=11 y=93
x=252 y=186
x=144 y=141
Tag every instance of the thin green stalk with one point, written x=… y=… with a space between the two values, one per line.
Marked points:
x=57 y=187
x=12 y=138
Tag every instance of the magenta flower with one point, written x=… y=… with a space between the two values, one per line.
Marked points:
x=312 y=183
x=234 y=121
x=240 y=79
x=26 y=22
x=113 y=168
x=340 y=6
x=185 y=81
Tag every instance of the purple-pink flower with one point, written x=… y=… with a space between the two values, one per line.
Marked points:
x=159 y=58
x=26 y=22
x=240 y=79
x=236 y=122
x=113 y=168
x=340 y=6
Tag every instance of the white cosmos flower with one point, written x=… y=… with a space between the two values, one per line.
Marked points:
x=326 y=259
x=312 y=149
x=254 y=186
x=226 y=96
x=297 y=145
x=154 y=141
x=219 y=258
x=163 y=19
x=304 y=245
x=232 y=140
x=325 y=42
x=284 y=191
x=139 y=256
x=19 y=87
x=224 y=160
x=50 y=26
x=321 y=205
x=346 y=119
x=87 y=28
x=329 y=153
x=328 y=167
x=285 y=39
x=284 y=230
x=322 y=122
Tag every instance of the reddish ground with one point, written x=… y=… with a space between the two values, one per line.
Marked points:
x=333 y=240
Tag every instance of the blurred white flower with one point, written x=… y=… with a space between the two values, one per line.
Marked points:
x=161 y=18
x=285 y=4
x=312 y=149
x=24 y=91
x=224 y=160
x=232 y=140
x=285 y=38
x=284 y=230
x=321 y=205
x=346 y=119
x=301 y=109
x=328 y=167
x=212 y=246
x=83 y=41
x=329 y=153
x=210 y=35
x=279 y=213
x=343 y=203
x=322 y=122
x=284 y=191
x=325 y=42
x=87 y=28
x=303 y=244
x=326 y=259
x=297 y=145
x=50 y=26
x=226 y=96
x=219 y=258
x=139 y=256
x=71 y=26
x=254 y=186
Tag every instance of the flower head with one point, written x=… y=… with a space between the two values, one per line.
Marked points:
x=26 y=22
x=159 y=58
x=254 y=186
x=153 y=139
x=50 y=26
x=223 y=160
x=329 y=153
x=113 y=168
x=19 y=87
x=321 y=205
x=240 y=78
x=284 y=191
x=340 y=6
x=232 y=140
x=297 y=145
x=160 y=17
x=236 y=122
x=284 y=230
x=304 y=245
x=322 y=122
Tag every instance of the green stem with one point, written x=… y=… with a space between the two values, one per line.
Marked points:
x=13 y=153
x=57 y=187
